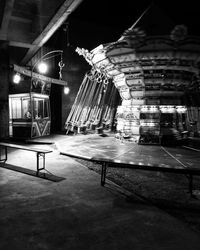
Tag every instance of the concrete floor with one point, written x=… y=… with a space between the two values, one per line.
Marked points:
x=75 y=212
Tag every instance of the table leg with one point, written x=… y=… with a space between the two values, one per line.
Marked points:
x=103 y=173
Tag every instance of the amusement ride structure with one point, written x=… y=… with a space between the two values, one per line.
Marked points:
x=157 y=78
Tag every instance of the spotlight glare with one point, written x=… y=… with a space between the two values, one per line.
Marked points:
x=42 y=67
x=66 y=90
x=16 y=78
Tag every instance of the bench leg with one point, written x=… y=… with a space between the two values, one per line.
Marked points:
x=103 y=173
x=5 y=154
x=40 y=155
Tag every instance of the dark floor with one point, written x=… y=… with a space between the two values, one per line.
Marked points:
x=72 y=210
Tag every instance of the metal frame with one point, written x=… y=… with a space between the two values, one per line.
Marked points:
x=189 y=173
x=39 y=155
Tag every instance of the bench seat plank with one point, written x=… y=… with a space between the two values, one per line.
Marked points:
x=12 y=145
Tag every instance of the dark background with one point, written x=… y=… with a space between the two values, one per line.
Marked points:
x=98 y=22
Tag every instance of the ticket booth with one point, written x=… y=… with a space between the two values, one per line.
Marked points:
x=29 y=115
x=29 y=104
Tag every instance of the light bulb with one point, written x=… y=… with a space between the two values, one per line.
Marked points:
x=66 y=90
x=42 y=67
x=16 y=78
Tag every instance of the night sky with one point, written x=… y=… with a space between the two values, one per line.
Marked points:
x=122 y=14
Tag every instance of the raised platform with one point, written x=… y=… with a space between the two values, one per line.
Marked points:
x=108 y=147
x=111 y=152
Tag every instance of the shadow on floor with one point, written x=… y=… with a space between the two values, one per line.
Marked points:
x=44 y=175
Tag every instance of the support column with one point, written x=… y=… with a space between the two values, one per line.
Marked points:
x=4 y=90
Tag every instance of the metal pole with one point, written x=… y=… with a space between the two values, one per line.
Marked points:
x=43 y=57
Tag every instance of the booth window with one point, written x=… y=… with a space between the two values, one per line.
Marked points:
x=20 y=108
x=26 y=108
x=16 y=108
x=41 y=108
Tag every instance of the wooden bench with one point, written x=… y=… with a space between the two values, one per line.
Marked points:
x=105 y=163
x=40 y=153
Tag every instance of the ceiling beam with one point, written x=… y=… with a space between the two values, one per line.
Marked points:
x=20 y=44
x=9 y=4
x=63 y=12
x=29 y=73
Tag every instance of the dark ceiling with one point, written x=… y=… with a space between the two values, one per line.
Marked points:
x=28 y=24
x=124 y=13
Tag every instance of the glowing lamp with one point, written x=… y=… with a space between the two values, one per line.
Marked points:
x=42 y=67
x=16 y=78
x=66 y=90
